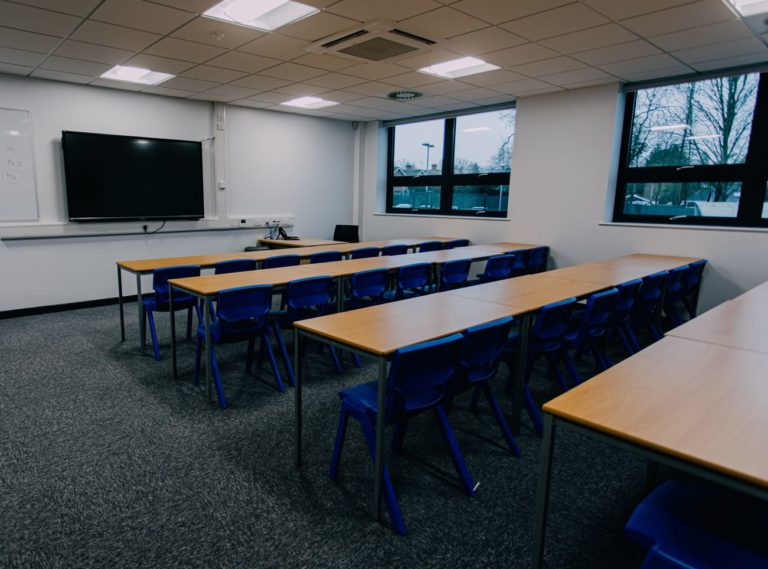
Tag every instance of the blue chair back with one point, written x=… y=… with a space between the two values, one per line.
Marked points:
x=537 y=260
x=454 y=273
x=498 y=267
x=430 y=246
x=234 y=266
x=242 y=311
x=676 y=282
x=309 y=297
x=455 y=243
x=625 y=299
x=369 y=284
x=160 y=278
x=325 y=257
x=518 y=262
x=482 y=348
x=653 y=289
x=598 y=312
x=552 y=321
x=365 y=252
x=396 y=249
x=418 y=375
x=281 y=261
x=693 y=279
x=413 y=276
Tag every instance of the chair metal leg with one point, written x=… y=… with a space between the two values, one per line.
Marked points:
x=198 y=348
x=284 y=351
x=453 y=447
x=272 y=360
x=153 y=333
x=398 y=437
x=341 y=432
x=505 y=430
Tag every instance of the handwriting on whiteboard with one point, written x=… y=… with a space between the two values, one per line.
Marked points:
x=12 y=174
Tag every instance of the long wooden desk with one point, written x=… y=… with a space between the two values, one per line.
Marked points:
x=301 y=242
x=699 y=408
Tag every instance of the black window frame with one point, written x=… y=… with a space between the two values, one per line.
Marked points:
x=752 y=174
x=447 y=180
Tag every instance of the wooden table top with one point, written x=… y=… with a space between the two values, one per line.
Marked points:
x=149 y=265
x=738 y=323
x=706 y=406
x=758 y=295
x=655 y=262
x=529 y=292
x=302 y=242
x=605 y=274
x=348 y=267
x=382 y=329
x=472 y=252
x=210 y=285
x=506 y=246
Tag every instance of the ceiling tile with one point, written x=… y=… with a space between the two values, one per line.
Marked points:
x=497 y=100
x=367 y=10
x=642 y=64
x=544 y=91
x=29 y=41
x=250 y=103
x=549 y=66
x=577 y=76
x=210 y=97
x=491 y=78
x=36 y=20
x=413 y=79
x=730 y=62
x=335 y=80
x=704 y=35
x=302 y=90
x=161 y=64
x=374 y=88
x=722 y=50
x=273 y=98
x=342 y=96
x=15 y=69
x=113 y=36
x=61 y=76
x=141 y=15
x=621 y=9
x=74 y=7
x=474 y=93
x=166 y=91
x=188 y=84
x=215 y=74
x=562 y=20
x=651 y=74
x=194 y=6
x=483 y=41
x=595 y=82
x=427 y=58
x=216 y=33
x=445 y=87
x=240 y=61
x=317 y=26
x=523 y=86
x=91 y=52
x=496 y=12
x=277 y=46
x=20 y=57
x=435 y=101
x=619 y=52
x=592 y=38
x=445 y=23
x=457 y=106
x=680 y=18
x=375 y=70
x=231 y=92
x=261 y=83
x=519 y=55
x=76 y=66
x=327 y=62
x=292 y=72
x=380 y=104
x=123 y=85
x=176 y=48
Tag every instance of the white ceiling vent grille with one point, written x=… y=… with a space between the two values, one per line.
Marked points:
x=375 y=41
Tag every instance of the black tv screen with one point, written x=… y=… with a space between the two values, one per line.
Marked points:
x=111 y=177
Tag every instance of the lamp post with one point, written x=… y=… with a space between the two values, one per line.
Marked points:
x=427 y=145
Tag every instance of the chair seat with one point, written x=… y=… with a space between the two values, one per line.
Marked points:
x=242 y=331
x=364 y=398
x=179 y=301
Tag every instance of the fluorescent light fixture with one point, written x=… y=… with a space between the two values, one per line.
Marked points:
x=704 y=136
x=265 y=15
x=14 y=132
x=679 y=126
x=476 y=129
x=136 y=75
x=749 y=7
x=309 y=103
x=459 y=67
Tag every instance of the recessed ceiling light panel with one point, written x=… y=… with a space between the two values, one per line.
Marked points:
x=749 y=7
x=309 y=103
x=265 y=15
x=136 y=75
x=459 y=68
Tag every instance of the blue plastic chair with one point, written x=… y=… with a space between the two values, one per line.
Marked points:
x=689 y=525
x=367 y=288
x=589 y=329
x=413 y=280
x=365 y=252
x=242 y=314
x=325 y=257
x=305 y=298
x=454 y=274
x=519 y=267
x=159 y=302
x=621 y=320
x=455 y=243
x=281 y=261
x=693 y=284
x=649 y=302
x=497 y=268
x=234 y=266
x=537 y=259
x=677 y=289
x=546 y=340
x=430 y=246
x=481 y=353
x=391 y=250
x=417 y=381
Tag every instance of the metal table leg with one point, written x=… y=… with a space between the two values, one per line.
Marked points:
x=297 y=360
x=379 y=461
x=340 y=294
x=120 y=302
x=140 y=302
x=542 y=494
x=173 y=330
x=207 y=320
x=519 y=381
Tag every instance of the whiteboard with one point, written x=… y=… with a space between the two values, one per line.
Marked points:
x=18 y=194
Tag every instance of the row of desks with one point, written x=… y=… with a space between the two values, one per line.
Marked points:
x=378 y=331
x=695 y=401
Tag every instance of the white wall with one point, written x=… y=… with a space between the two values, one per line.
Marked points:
x=562 y=177
x=312 y=158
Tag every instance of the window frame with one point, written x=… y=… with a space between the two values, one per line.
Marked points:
x=447 y=180
x=752 y=174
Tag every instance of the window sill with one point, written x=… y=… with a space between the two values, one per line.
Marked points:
x=434 y=216
x=686 y=227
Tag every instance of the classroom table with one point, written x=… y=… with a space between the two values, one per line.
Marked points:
x=696 y=407
x=655 y=262
x=378 y=331
x=300 y=242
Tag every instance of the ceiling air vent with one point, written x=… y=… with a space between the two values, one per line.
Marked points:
x=374 y=41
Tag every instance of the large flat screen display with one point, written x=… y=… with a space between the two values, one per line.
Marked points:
x=117 y=178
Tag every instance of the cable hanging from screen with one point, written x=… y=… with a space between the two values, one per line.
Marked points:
x=154 y=230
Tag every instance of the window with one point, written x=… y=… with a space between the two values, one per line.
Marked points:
x=455 y=166
x=693 y=153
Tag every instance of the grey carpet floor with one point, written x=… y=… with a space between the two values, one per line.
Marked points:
x=107 y=461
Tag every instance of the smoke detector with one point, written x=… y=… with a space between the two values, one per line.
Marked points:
x=372 y=42
x=404 y=95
